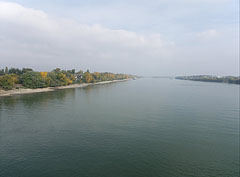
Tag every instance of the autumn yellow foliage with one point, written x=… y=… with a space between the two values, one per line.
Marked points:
x=44 y=74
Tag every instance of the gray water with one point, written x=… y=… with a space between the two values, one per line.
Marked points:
x=141 y=128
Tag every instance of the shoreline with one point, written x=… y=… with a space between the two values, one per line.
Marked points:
x=23 y=91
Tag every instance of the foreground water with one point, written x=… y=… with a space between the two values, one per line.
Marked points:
x=141 y=128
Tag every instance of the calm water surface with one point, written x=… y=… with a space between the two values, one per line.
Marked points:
x=141 y=128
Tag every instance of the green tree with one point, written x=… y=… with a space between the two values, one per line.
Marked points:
x=15 y=71
x=33 y=80
x=2 y=72
x=63 y=79
x=52 y=80
x=25 y=70
x=8 y=81
x=57 y=70
x=6 y=70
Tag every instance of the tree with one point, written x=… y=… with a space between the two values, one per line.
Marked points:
x=63 y=79
x=52 y=80
x=8 y=81
x=15 y=71
x=87 y=77
x=25 y=70
x=44 y=75
x=6 y=70
x=33 y=80
x=57 y=70
x=30 y=79
x=2 y=72
x=96 y=76
x=80 y=72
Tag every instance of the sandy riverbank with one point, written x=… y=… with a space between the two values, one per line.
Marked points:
x=49 y=89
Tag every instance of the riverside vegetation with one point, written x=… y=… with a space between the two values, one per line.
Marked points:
x=208 y=78
x=15 y=78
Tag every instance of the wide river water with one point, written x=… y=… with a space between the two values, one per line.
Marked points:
x=139 y=128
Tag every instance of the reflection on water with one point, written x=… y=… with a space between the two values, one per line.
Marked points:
x=30 y=100
x=36 y=98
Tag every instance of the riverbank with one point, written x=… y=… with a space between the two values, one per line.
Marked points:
x=209 y=78
x=22 y=91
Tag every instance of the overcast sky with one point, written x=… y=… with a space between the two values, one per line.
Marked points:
x=144 y=37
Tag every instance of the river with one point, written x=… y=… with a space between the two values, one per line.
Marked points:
x=139 y=128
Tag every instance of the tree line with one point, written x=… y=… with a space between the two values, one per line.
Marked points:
x=15 y=78
x=209 y=78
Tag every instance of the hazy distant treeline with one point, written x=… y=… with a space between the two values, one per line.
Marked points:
x=15 y=78
x=207 y=78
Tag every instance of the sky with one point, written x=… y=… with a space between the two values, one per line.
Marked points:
x=142 y=37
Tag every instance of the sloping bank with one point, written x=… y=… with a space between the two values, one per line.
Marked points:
x=49 y=89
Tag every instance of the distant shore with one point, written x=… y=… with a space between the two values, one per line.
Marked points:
x=22 y=91
x=209 y=78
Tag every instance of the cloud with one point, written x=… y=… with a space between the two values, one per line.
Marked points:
x=32 y=36
x=211 y=33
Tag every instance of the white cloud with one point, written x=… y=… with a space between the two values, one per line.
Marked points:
x=211 y=33
x=32 y=36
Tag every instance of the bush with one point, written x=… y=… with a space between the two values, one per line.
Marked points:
x=8 y=81
x=33 y=80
